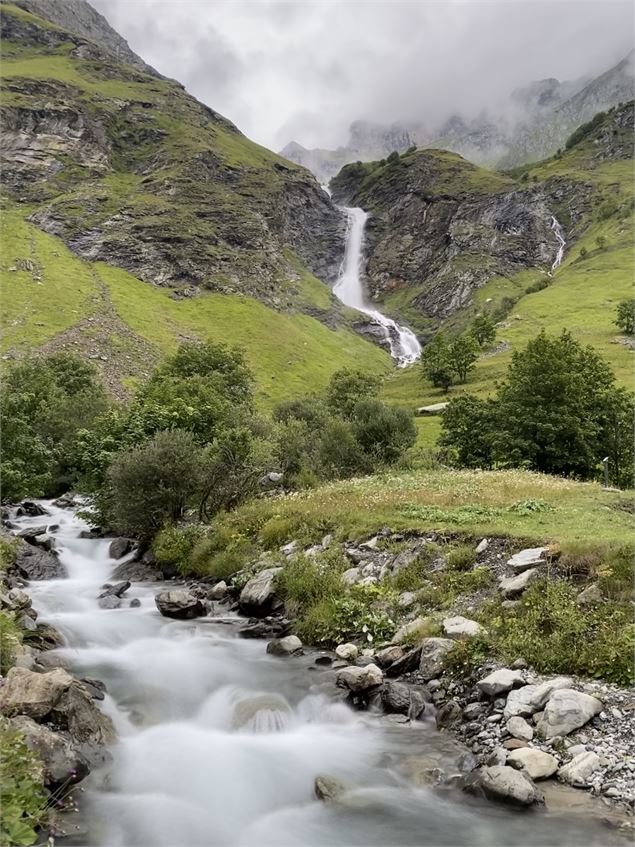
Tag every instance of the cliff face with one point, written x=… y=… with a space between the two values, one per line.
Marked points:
x=127 y=168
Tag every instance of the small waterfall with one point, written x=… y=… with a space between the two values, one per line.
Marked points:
x=404 y=346
x=559 y=233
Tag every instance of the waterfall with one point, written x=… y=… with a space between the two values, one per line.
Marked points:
x=559 y=233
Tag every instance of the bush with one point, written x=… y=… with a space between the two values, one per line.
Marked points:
x=625 y=320
x=207 y=560
x=306 y=581
x=411 y=577
x=349 y=617
x=538 y=285
x=584 y=129
x=347 y=388
x=22 y=800
x=461 y=558
x=10 y=640
x=383 y=432
x=173 y=546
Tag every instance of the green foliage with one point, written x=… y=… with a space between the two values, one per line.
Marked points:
x=538 y=285
x=600 y=242
x=173 y=545
x=208 y=560
x=625 y=319
x=349 y=387
x=10 y=640
x=384 y=433
x=22 y=801
x=584 y=130
x=8 y=549
x=436 y=362
x=463 y=356
x=483 y=329
x=583 y=252
x=412 y=576
x=461 y=558
x=307 y=580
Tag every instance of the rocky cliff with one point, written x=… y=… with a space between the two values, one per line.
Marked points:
x=128 y=169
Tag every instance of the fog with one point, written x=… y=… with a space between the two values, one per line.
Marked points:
x=305 y=70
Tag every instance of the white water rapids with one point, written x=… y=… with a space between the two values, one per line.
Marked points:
x=559 y=233
x=404 y=346
x=219 y=743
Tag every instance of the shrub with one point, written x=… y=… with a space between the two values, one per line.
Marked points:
x=349 y=617
x=600 y=242
x=625 y=320
x=583 y=252
x=347 y=388
x=538 y=285
x=411 y=577
x=10 y=640
x=207 y=560
x=306 y=581
x=383 y=432
x=22 y=800
x=461 y=558
x=173 y=545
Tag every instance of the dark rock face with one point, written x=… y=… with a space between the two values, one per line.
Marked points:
x=120 y=547
x=36 y=563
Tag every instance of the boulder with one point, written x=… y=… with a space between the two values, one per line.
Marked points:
x=138 y=572
x=30 y=533
x=286 y=646
x=535 y=763
x=110 y=601
x=218 y=591
x=449 y=713
x=16 y=600
x=116 y=590
x=388 y=655
x=519 y=728
x=528 y=559
x=406 y=664
x=513 y=586
x=328 y=789
x=591 y=596
x=514 y=744
x=481 y=547
x=500 y=682
x=530 y=699
x=290 y=548
x=406 y=599
x=135 y=603
x=63 y=765
x=565 y=711
x=433 y=654
x=351 y=576
x=258 y=595
x=360 y=680
x=396 y=698
x=32 y=509
x=120 y=547
x=179 y=603
x=460 y=627
x=579 y=769
x=37 y=564
x=508 y=785
x=347 y=652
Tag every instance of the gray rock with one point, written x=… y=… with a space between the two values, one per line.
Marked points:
x=528 y=559
x=135 y=603
x=519 y=728
x=37 y=564
x=218 y=591
x=406 y=599
x=137 y=572
x=434 y=651
x=180 y=604
x=529 y=699
x=360 y=680
x=258 y=595
x=514 y=586
x=460 y=627
x=395 y=698
x=351 y=576
x=409 y=662
x=473 y=710
x=119 y=547
x=448 y=714
x=62 y=764
x=16 y=600
x=388 y=655
x=116 y=590
x=536 y=763
x=498 y=756
x=287 y=646
x=290 y=548
x=591 y=596
x=508 y=785
x=579 y=769
x=32 y=509
x=499 y=682
x=347 y=652
x=110 y=601
x=329 y=789
x=565 y=711
x=409 y=629
x=481 y=547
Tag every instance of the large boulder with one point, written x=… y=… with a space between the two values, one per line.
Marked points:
x=503 y=783
x=138 y=572
x=31 y=508
x=258 y=596
x=63 y=765
x=407 y=663
x=180 y=604
x=535 y=763
x=401 y=699
x=360 y=680
x=460 y=627
x=120 y=547
x=565 y=711
x=518 y=727
x=287 y=646
x=500 y=682
x=433 y=654
x=579 y=769
x=388 y=655
x=37 y=564
x=530 y=699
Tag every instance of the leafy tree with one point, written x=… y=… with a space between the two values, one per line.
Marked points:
x=463 y=356
x=618 y=436
x=339 y=453
x=468 y=427
x=483 y=329
x=224 y=368
x=347 y=387
x=312 y=410
x=383 y=432
x=625 y=320
x=436 y=362
x=600 y=242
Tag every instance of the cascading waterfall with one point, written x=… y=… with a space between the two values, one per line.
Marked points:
x=219 y=743
x=404 y=346
x=559 y=233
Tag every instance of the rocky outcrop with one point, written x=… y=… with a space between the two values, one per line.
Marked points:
x=34 y=562
x=63 y=764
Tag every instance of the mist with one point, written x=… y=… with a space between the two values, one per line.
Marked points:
x=305 y=70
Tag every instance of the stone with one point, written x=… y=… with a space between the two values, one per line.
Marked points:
x=591 y=596
x=579 y=769
x=408 y=630
x=138 y=572
x=270 y=479
x=351 y=576
x=268 y=712
x=30 y=533
x=526 y=559
x=388 y=655
x=510 y=604
x=110 y=601
x=447 y=714
x=498 y=756
x=287 y=646
x=360 y=680
x=498 y=682
x=409 y=662
x=460 y=627
x=513 y=586
x=567 y=710
x=116 y=590
x=518 y=665
x=433 y=654
x=290 y=548
x=395 y=698
x=403 y=560
x=180 y=604
x=328 y=788
x=519 y=728
x=473 y=710
x=529 y=699
x=258 y=596
x=406 y=599
x=17 y=600
x=481 y=547
x=514 y=744
x=135 y=603
x=347 y=652
x=218 y=591
x=371 y=544
x=503 y=783
x=466 y=763
x=120 y=547
x=37 y=564
x=536 y=763
x=62 y=764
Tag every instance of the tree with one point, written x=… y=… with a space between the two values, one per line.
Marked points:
x=463 y=356
x=436 y=362
x=483 y=329
x=468 y=426
x=600 y=242
x=347 y=387
x=625 y=320
x=618 y=437
x=383 y=432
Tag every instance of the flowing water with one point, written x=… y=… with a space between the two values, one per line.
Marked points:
x=404 y=346
x=559 y=233
x=219 y=743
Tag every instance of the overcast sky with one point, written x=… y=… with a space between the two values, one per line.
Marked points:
x=305 y=69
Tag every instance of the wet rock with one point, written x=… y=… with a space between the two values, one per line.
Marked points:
x=258 y=596
x=95 y=687
x=466 y=762
x=135 y=603
x=591 y=596
x=530 y=699
x=526 y=559
x=448 y=714
x=508 y=785
x=347 y=652
x=519 y=728
x=32 y=532
x=66 y=501
x=180 y=604
x=388 y=655
x=268 y=712
x=287 y=646
x=433 y=654
x=565 y=711
x=579 y=769
x=116 y=590
x=110 y=601
x=120 y=547
x=360 y=680
x=31 y=508
x=498 y=756
x=499 y=682
x=460 y=627
x=62 y=764
x=536 y=763
x=408 y=663
x=396 y=698
x=15 y=600
x=218 y=591
x=138 y=572
x=329 y=789
x=324 y=661
x=35 y=563
x=512 y=587
x=92 y=533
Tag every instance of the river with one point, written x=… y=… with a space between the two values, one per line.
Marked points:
x=220 y=743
